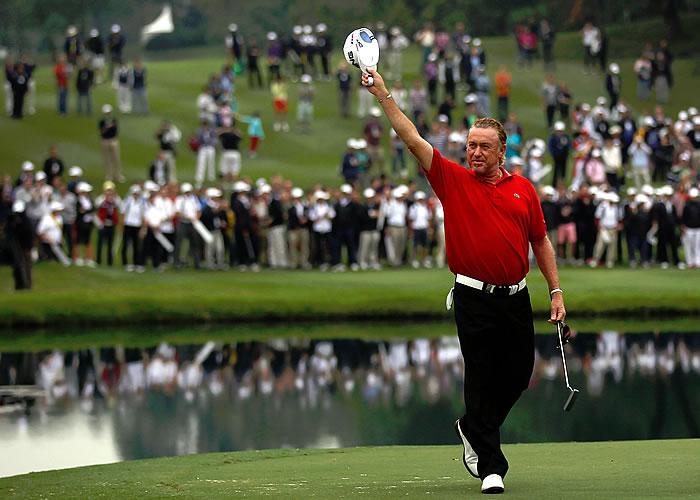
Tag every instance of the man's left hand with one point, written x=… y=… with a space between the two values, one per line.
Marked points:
x=558 y=312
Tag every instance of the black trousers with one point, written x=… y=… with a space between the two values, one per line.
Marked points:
x=105 y=236
x=496 y=336
x=131 y=237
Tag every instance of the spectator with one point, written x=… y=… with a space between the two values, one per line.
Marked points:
x=504 y=81
x=349 y=167
x=53 y=166
x=611 y=155
x=168 y=136
x=400 y=95
x=243 y=228
x=19 y=82
x=206 y=154
x=665 y=221
x=321 y=215
x=550 y=93
x=419 y=218
x=608 y=218
x=690 y=226
x=133 y=211
x=643 y=69
x=115 y=43
x=252 y=56
x=613 y=84
x=591 y=46
x=20 y=236
x=107 y=220
x=396 y=211
x=230 y=163
x=72 y=45
x=370 y=231
x=640 y=161
x=559 y=146
x=96 y=54
x=139 y=97
x=344 y=86
x=661 y=76
x=84 y=223
x=158 y=172
x=49 y=232
x=373 y=133
x=109 y=134
x=305 y=107
x=62 y=72
x=547 y=35
x=298 y=231
x=275 y=53
x=277 y=228
x=482 y=87
x=69 y=214
x=564 y=102
x=256 y=132
x=347 y=216
x=565 y=220
x=418 y=99
x=430 y=72
x=280 y=103
x=83 y=86
x=122 y=82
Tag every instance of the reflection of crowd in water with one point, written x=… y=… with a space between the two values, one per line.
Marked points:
x=380 y=372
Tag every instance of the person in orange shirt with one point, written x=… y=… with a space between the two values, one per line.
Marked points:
x=62 y=73
x=503 y=82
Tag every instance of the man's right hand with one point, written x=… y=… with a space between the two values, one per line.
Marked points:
x=378 y=89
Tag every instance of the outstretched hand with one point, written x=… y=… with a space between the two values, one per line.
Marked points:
x=378 y=88
x=558 y=311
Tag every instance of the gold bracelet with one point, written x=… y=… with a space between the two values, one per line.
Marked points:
x=388 y=96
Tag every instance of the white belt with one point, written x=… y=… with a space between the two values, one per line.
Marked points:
x=484 y=287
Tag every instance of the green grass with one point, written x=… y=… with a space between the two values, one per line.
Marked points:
x=79 y=296
x=631 y=469
x=175 y=79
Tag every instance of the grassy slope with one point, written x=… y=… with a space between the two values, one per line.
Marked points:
x=175 y=82
x=634 y=469
x=110 y=296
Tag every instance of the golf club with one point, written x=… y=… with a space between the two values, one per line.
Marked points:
x=564 y=333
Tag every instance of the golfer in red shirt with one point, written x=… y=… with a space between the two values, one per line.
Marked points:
x=491 y=220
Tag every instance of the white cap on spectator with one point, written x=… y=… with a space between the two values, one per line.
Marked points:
x=443 y=119
x=297 y=30
x=375 y=111
x=595 y=153
x=346 y=189
x=106 y=108
x=613 y=198
x=694 y=192
x=351 y=143
x=135 y=189
x=260 y=182
x=470 y=98
x=27 y=166
x=516 y=160
x=297 y=192
x=665 y=191
x=233 y=27
x=400 y=191
x=72 y=31
x=536 y=152
x=649 y=121
x=682 y=115
x=685 y=156
x=94 y=32
x=265 y=189
x=476 y=42
x=308 y=29
x=559 y=126
x=271 y=35
x=696 y=120
x=361 y=143
x=213 y=193
x=116 y=28
x=420 y=195
x=615 y=129
x=455 y=137
x=18 y=206
x=648 y=190
x=151 y=186
x=432 y=57
x=621 y=108
x=241 y=187
x=83 y=187
x=40 y=176
x=55 y=206
x=369 y=193
x=321 y=195
x=75 y=171
x=539 y=143
x=631 y=191
x=548 y=190
x=305 y=78
x=395 y=31
x=321 y=28
x=585 y=107
x=600 y=101
x=692 y=111
x=614 y=68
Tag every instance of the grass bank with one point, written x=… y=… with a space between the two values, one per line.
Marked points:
x=79 y=296
x=632 y=469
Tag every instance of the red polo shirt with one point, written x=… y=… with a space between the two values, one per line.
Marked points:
x=488 y=227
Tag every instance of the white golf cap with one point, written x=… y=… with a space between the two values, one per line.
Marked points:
x=516 y=160
x=151 y=187
x=265 y=189
x=297 y=30
x=476 y=42
x=585 y=107
x=536 y=152
x=694 y=192
x=297 y=192
x=432 y=57
x=631 y=191
x=683 y=115
x=321 y=27
x=615 y=129
x=400 y=191
x=369 y=193
x=614 y=68
x=346 y=189
x=621 y=108
x=613 y=198
x=75 y=171
x=305 y=78
x=470 y=98
x=233 y=27
x=595 y=153
x=455 y=137
x=135 y=188
x=240 y=187
x=540 y=144
x=395 y=31
x=685 y=156
x=692 y=111
x=666 y=190
x=321 y=195
x=18 y=206
x=107 y=108
x=307 y=29
x=94 y=32
x=375 y=111
x=559 y=126
x=548 y=190
x=116 y=28
x=186 y=187
x=361 y=143
x=72 y=31
x=27 y=166
x=83 y=187
x=55 y=206
x=213 y=193
x=40 y=176
x=600 y=101
x=351 y=143
x=696 y=120
x=108 y=186
x=420 y=195
x=649 y=121
x=443 y=119
x=271 y=35
x=648 y=189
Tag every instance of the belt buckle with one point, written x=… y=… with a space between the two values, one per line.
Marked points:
x=513 y=289
x=489 y=288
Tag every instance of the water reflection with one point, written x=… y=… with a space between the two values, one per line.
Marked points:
x=126 y=403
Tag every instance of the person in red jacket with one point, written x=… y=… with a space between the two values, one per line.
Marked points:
x=107 y=220
x=62 y=73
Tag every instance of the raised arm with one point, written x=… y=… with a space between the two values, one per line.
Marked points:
x=419 y=147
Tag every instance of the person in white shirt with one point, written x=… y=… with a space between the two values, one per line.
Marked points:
x=166 y=202
x=188 y=209
x=395 y=210
x=439 y=227
x=298 y=231
x=608 y=214
x=153 y=219
x=419 y=217
x=321 y=215
x=50 y=231
x=133 y=211
x=370 y=231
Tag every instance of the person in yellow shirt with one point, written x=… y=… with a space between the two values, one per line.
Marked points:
x=280 y=103
x=503 y=83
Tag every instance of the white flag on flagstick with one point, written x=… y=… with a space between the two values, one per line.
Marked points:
x=162 y=24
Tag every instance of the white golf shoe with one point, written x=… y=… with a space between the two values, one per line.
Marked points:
x=469 y=458
x=492 y=484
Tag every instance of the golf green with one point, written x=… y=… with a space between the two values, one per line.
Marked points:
x=632 y=469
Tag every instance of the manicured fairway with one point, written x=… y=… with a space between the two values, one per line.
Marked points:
x=633 y=469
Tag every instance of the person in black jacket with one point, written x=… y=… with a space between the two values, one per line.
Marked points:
x=559 y=146
x=243 y=226
x=691 y=228
x=20 y=238
x=20 y=86
x=584 y=216
x=298 y=236
x=83 y=84
x=665 y=219
x=347 y=215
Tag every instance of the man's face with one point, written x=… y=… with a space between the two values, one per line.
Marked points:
x=484 y=151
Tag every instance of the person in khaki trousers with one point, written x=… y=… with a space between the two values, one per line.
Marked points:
x=370 y=231
x=395 y=210
x=298 y=231
x=109 y=132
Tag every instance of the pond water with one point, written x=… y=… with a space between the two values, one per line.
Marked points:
x=118 y=403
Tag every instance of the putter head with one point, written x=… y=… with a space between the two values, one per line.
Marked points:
x=571 y=400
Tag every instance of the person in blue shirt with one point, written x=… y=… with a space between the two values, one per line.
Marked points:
x=255 y=132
